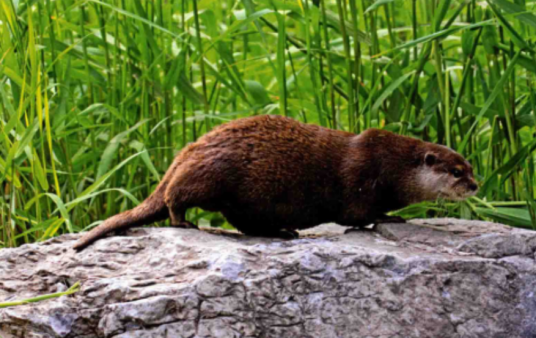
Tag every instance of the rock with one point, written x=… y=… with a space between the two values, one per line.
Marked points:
x=427 y=278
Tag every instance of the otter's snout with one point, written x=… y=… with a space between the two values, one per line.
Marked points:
x=461 y=188
x=473 y=187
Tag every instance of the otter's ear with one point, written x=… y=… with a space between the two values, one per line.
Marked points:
x=430 y=159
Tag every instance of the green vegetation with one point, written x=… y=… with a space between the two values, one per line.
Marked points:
x=73 y=289
x=96 y=96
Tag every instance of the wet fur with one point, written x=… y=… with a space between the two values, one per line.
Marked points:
x=269 y=173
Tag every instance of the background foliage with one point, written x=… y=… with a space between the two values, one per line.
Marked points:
x=96 y=96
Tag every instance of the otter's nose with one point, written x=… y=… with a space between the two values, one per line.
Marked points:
x=473 y=186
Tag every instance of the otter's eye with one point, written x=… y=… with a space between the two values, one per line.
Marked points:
x=456 y=173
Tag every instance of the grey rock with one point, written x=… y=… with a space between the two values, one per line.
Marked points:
x=427 y=278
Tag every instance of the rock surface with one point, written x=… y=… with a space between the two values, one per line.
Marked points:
x=428 y=278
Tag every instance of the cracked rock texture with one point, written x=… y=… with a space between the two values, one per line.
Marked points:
x=428 y=278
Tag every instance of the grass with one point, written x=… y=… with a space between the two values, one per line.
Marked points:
x=96 y=96
x=73 y=289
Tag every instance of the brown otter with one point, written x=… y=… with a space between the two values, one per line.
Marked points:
x=269 y=174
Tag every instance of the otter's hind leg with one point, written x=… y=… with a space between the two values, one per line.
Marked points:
x=191 y=186
x=178 y=219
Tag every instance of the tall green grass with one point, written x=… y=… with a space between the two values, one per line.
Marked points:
x=96 y=96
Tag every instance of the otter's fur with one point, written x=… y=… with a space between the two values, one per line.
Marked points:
x=270 y=173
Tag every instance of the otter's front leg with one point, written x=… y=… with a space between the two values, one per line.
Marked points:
x=356 y=224
x=358 y=217
x=389 y=219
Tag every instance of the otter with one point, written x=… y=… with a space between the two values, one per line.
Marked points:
x=271 y=175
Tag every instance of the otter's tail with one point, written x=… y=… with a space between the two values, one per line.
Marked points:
x=153 y=209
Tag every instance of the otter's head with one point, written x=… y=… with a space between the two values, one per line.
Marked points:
x=444 y=173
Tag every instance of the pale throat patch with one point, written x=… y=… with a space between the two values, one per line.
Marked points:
x=432 y=183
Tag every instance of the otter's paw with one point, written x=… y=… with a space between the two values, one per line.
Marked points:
x=288 y=234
